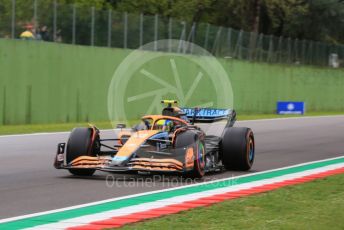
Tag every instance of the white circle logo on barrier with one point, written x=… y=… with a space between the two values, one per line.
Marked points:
x=290 y=106
x=152 y=73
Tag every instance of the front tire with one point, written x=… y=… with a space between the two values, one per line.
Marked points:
x=238 y=148
x=79 y=144
x=190 y=139
x=199 y=163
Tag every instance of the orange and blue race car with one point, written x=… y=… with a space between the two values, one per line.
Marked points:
x=166 y=143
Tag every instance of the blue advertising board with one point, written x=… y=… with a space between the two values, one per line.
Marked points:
x=291 y=107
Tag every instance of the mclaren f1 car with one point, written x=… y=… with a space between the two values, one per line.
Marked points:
x=173 y=142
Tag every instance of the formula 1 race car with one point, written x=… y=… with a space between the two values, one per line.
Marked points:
x=167 y=143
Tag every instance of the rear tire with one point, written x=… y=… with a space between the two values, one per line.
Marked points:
x=237 y=148
x=79 y=144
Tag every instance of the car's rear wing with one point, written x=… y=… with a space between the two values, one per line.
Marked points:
x=209 y=114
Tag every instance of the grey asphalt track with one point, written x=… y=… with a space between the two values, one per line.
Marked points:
x=29 y=183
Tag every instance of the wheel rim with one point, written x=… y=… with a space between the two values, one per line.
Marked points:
x=251 y=150
x=201 y=156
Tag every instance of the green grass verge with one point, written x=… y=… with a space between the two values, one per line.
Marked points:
x=34 y=128
x=314 y=205
x=270 y=116
x=37 y=128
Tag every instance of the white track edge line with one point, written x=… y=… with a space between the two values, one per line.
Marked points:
x=87 y=219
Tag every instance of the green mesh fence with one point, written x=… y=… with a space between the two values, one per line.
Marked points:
x=74 y=24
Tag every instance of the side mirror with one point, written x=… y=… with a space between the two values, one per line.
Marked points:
x=120 y=126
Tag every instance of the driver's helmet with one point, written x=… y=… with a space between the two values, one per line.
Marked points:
x=164 y=125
